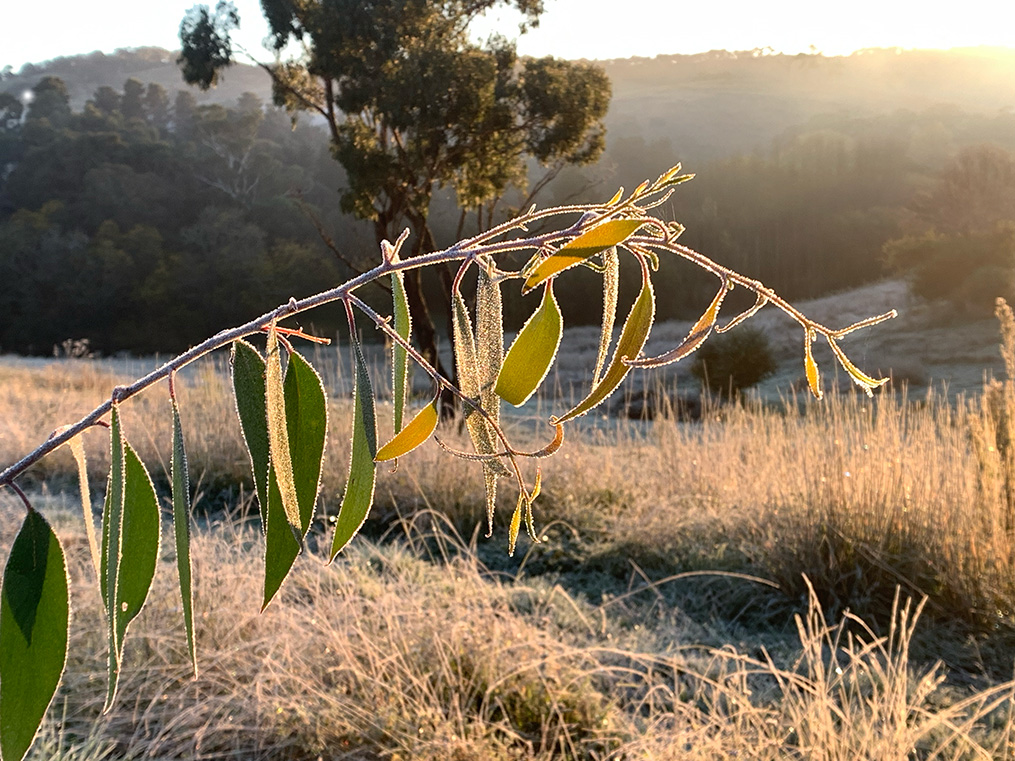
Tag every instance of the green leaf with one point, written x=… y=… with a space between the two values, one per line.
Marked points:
x=306 y=410
x=419 y=429
x=112 y=531
x=399 y=357
x=280 y=546
x=589 y=243
x=181 y=531
x=138 y=544
x=34 y=618
x=359 y=489
x=532 y=352
x=248 y=388
x=695 y=338
x=278 y=433
x=632 y=339
x=611 y=287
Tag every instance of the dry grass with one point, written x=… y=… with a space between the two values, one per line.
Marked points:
x=414 y=647
x=385 y=655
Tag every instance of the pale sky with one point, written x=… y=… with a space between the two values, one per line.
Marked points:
x=598 y=29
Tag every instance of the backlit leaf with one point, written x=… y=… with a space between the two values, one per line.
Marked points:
x=483 y=437
x=181 y=530
x=77 y=448
x=278 y=434
x=811 y=367
x=359 y=489
x=632 y=339
x=589 y=243
x=611 y=287
x=532 y=352
x=34 y=617
x=306 y=411
x=140 y=535
x=399 y=357
x=418 y=430
x=489 y=342
x=280 y=546
x=695 y=338
x=112 y=530
x=248 y=389
x=860 y=378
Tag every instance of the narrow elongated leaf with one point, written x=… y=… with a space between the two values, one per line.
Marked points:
x=611 y=287
x=418 y=430
x=532 y=352
x=139 y=553
x=181 y=530
x=34 y=618
x=248 y=388
x=489 y=342
x=632 y=339
x=278 y=434
x=483 y=437
x=747 y=313
x=695 y=338
x=860 y=378
x=399 y=357
x=601 y=237
x=280 y=546
x=77 y=448
x=112 y=534
x=306 y=411
x=359 y=489
x=811 y=367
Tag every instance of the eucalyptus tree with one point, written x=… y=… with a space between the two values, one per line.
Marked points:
x=414 y=105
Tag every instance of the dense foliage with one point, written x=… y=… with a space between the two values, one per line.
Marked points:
x=142 y=223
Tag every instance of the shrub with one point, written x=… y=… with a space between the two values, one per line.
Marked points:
x=734 y=361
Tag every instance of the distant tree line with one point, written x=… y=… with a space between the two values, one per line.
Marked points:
x=143 y=222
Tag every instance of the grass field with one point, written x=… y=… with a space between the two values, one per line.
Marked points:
x=828 y=580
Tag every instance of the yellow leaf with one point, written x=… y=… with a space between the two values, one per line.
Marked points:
x=589 y=243
x=530 y=356
x=811 y=367
x=418 y=430
x=695 y=338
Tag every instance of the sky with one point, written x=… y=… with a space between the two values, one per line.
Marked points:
x=594 y=29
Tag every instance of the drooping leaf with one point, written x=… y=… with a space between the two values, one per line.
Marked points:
x=484 y=439
x=418 y=430
x=611 y=287
x=181 y=530
x=860 y=378
x=77 y=448
x=399 y=357
x=632 y=339
x=516 y=524
x=601 y=237
x=747 y=313
x=34 y=619
x=140 y=535
x=112 y=531
x=306 y=410
x=489 y=342
x=280 y=546
x=695 y=338
x=532 y=352
x=278 y=434
x=811 y=367
x=248 y=388
x=359 y=489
